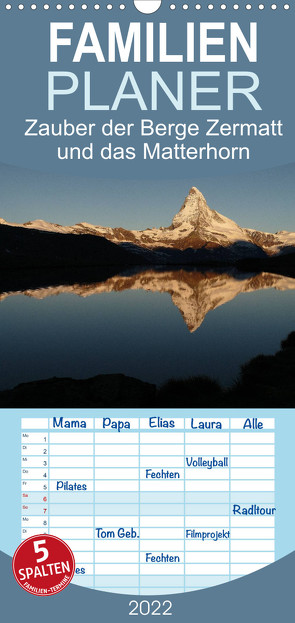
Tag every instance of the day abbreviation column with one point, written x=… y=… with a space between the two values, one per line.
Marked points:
x=34 y=477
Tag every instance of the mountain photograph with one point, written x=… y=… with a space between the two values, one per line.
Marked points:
x=198 y=313
x=196 y=235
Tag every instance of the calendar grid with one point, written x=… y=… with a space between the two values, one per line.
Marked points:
x=184 y=515
x=139 y=587
x=93 y=544
x=229 y=511
x=154 y=510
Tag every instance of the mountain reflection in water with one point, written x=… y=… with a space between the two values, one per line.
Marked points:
x=194 y=293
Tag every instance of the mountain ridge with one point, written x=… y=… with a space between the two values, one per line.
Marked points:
x=196 y=229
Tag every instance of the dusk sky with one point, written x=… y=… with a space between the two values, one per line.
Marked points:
x=261 y=200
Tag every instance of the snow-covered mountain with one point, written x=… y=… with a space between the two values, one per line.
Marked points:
x=195 y=294
x=195 y=227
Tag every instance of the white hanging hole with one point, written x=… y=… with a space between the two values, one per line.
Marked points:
x=147 y=6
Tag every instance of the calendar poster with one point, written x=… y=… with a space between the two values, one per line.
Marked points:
x=147 y=326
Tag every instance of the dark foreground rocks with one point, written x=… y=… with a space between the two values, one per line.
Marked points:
x=267 y=381
x=104 y=390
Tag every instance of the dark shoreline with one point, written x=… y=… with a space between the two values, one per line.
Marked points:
x=17 y=280
x=31 y=249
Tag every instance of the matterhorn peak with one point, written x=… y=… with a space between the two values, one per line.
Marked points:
x=195 y=191
x=193 y=209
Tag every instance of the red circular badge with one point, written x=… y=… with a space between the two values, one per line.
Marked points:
x=43 y=565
